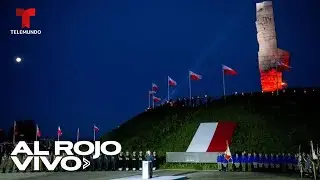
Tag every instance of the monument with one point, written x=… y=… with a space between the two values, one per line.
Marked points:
x=272 y=60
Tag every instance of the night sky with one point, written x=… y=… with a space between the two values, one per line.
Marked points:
x=95 y=60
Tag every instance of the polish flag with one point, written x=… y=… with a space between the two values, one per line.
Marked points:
x=227 y=155
x=171 y=82
x=38 y=131
x=95 y=128
x=156 y=99
x=59 y=131
x=154 y=87
x=194 y=76
x=228 y=71
x=151 y=92
x=282 y=65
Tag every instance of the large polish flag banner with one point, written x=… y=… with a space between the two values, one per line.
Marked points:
x=212 y=137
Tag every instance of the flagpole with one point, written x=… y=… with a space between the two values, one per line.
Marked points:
x=78 y=132
x=224 y=85
x=168 y=89
x=189 y=87
x=94 y=134
x=149 y=97
x=14 y=133
x=58 y=137
x=152 y=96
x=36 y=132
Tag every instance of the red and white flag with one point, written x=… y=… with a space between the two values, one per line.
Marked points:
x=95 y=128
x=194 y=76
x=59 y=132
x=151 y=92
x=154 y=87
x=282 y=66
x=228 y=71
x=156 y=99
x=227 y=155
x=38 y=131
x=171 y=82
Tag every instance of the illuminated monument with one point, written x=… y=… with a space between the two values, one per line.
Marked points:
x=272 y=60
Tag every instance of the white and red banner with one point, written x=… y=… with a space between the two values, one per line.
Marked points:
x=95 y=128
x=194 y=76
x=227 y=153
x=154 y=87
x=156 y=99
x=228 y=71
x=171 y=82
x=38 y=133
x=212 y=137
x=59 y=132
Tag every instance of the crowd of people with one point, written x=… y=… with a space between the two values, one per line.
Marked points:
x=206 y=100
x=301 y=163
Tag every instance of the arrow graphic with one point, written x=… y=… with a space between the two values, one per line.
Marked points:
x=86 y=163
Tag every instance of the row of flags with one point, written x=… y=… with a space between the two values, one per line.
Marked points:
x=59 y=132
x=192 y=77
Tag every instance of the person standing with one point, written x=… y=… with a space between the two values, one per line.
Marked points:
x=266 y=162
x=290 y=161
x=236 y=161
x=127 y=161
x=92 y=162
x=283 y=163
x=114 y=164
x=250 y=161
x=243 y=161
x=149 y=158
x=155 y=163
x=272 y=162
x=9 y=166
x=106 y=161
x=255 y=161
x=134 y=161
x=121 y=161
x=278 y=162
x=3 y=163
x=224 y=163
x=219 y=161
x=99 y=162
x=230 y=164
x=24 y=157
x=260 y=162
x=140 y=160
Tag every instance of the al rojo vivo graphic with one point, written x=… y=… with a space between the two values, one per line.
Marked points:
x=25 y=15
x=63 y=151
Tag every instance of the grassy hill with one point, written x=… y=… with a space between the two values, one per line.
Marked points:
x=266 y=123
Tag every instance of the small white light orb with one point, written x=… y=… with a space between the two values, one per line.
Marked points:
x=18 y=59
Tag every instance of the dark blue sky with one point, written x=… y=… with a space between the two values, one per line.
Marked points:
x=95 y=60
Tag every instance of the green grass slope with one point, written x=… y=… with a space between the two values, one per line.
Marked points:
x=265 y=123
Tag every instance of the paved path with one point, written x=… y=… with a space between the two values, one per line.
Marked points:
x=107 y=175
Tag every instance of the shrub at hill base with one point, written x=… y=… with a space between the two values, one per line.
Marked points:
x=266 y=123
